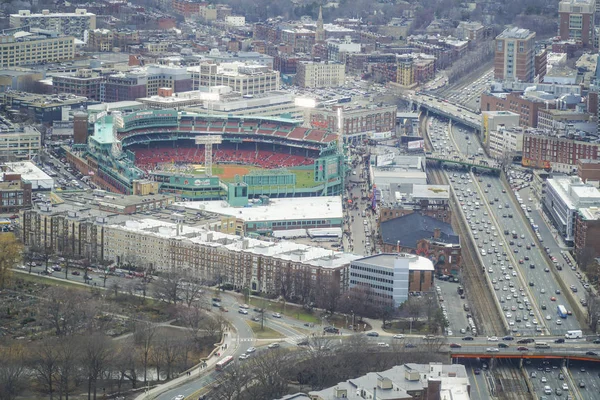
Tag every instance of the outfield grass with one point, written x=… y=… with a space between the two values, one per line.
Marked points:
x=266 y=333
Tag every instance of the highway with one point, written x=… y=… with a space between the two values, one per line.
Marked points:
x=523 y=249
x=498 y=264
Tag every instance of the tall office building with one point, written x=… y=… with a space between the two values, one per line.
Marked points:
x=514 y=57
x=576 y=21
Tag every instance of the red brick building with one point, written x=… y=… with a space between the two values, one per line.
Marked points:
x=588 y=169
x=15 y=194
x=515 y=102
x=576 y=21
x=587 y=230
x=540 y=151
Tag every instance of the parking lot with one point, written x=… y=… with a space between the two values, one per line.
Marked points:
x=452 y=304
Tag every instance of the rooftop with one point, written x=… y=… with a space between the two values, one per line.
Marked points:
x=28 y=170
x=290 y=251
x=386 y=260
x=291 y=209
x=515 y=33
x=411 y=228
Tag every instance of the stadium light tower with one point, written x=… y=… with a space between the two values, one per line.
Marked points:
x=306 y=103
x=208 y=141
x=209 y=99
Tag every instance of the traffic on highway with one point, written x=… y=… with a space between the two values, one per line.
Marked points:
x=526 y=292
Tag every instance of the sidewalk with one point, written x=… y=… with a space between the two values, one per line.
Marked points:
x=229 y=340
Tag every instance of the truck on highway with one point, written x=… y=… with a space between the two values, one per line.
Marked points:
x=577 y=334
x=541 y=345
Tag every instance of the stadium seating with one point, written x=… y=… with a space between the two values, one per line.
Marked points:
x=154 y=157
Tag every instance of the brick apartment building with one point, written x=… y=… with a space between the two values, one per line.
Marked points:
x=526 y=108
x=542 y=151
x=15 y=193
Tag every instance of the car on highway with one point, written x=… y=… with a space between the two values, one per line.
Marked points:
x=503 y=345
x=179 y=397
x=508 y=338
x=492 y=350
x=477 y=371
x=522 y=348
x=455 y=346
x=468 y=338
x=591 y=353
x=492 y=338
x=525 y=341
x=559 y=340
x=410 y=345
x=273 y=345
x=244 y=356
x=373 y=334
x=276 y=315
x=250 y=350
x=242 y=311
x=398 y=336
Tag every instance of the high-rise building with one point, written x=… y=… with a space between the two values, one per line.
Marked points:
x=72 y=24
x=514 y=57
x=576 y=21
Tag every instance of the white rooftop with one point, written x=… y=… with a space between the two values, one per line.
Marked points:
x=431 y=191
x=299 y=208
x=291 y=251
x=28 y=170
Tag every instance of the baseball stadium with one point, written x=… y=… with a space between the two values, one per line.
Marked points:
x=201 y=157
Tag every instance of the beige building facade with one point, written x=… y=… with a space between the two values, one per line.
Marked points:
x=320 y=74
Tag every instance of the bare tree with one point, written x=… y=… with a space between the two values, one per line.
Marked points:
x=96 y=353
x=125 y=363
x=43 y=362
x=144 y=332
x=68 y=371
x=167 y=288
x=270 y=374
x=191 y=290
x=231 y=383
x=67 y=311
x=12 y=371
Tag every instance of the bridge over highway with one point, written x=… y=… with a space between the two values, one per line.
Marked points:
x=581 y=353
x=481 y=164
x=441 y=107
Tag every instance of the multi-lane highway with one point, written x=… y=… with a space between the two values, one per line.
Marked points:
x=545 y=292
x=514 y=265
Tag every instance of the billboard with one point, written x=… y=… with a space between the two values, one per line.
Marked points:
x=416 y=145
x=385 y=159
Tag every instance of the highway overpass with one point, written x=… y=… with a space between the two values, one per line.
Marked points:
x=441 y=107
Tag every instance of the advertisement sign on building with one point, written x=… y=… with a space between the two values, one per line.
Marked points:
x=416 y=145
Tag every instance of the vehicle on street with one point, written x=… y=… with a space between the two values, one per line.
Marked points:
x=373 y=334
x=273 y=345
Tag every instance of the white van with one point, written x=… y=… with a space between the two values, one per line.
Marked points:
x=578 y=334
x=542 y=345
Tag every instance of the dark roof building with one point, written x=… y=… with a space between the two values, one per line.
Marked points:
x=411 y=228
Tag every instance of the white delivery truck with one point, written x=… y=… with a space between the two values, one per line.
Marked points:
x=578 y=334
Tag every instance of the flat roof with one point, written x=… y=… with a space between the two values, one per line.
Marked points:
x=28 y=170
x=285 y=250
x=386 y=260
x=431 y=191
x=299 y=208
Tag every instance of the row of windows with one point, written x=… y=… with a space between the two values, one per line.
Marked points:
x=372 y=270
x=385 y=288
x=371 y=278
